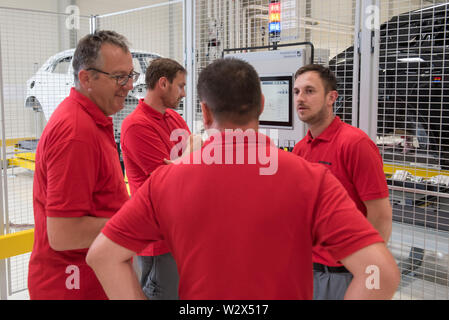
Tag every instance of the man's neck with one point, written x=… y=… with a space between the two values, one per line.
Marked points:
x=155 y=102
x=254 y=125
x=317 y=128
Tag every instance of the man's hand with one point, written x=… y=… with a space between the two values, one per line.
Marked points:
x=194 y=143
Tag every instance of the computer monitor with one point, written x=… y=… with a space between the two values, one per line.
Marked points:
x=278 y=110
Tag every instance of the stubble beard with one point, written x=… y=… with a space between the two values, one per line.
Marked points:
x=316 y=118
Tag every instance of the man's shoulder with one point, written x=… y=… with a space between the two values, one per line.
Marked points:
x=352 y=136
x=70 y=121
x=137 y=120
x=139 y=127
x=351 y=131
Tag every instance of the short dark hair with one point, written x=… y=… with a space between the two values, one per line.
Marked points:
x=87 y=51
x=231 y=89
x=162 y=67
x=326 y=75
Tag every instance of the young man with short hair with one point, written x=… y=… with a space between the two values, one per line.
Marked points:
x=351 y=156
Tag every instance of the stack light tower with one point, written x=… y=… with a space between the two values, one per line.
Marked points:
x=274 y=21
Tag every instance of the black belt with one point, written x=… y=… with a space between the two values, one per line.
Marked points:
x=322 y=268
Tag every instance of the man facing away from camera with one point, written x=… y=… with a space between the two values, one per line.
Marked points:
x=223 y=216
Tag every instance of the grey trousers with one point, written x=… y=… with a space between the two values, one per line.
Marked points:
x=159 y=277
x=330 y=286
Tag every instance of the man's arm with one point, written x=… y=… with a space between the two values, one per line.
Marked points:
x=351 y=239
x=71 y=181
x=379 y=214
x=376 y=275
x=73 y=233
x=112 y=265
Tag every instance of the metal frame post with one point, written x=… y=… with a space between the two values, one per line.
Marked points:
x=356 y=67
x=369 y=67
x=189 y=60
x=3 y=199
x=93 y=23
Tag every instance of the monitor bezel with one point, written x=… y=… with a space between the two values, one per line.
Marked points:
x=280 y=124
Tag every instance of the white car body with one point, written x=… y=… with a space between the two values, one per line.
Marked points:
x=52 y=82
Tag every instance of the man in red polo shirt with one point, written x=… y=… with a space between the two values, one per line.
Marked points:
x=222 y=219
x=145 y=141
x=351 y=156
x=78 y=182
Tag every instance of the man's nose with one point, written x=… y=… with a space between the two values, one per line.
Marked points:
x=129 y=84
x=299 y=97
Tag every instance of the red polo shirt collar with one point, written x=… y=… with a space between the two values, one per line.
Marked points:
x=91 y=108
x=150 y=112
x=328 y=133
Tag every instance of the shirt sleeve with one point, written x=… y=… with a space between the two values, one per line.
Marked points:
x=72 y=168
x=145 y=147
x=339 y=226
x=366 y=168
x=134 y=226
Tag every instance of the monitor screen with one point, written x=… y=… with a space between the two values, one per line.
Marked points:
x=278 y=109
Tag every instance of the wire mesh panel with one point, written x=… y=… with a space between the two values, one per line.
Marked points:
x=246 y=24
x=36 y=76
x=413 y=134
x=153 y=31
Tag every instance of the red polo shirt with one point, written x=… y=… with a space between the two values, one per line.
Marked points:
x=354 y=159
x=228 y=220
x=77 y=174
x=145 y=141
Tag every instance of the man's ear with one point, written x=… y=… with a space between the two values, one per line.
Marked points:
x=208 y=118
x=85 y=79
x=332 y=96
x=163 y=82
x=262 y=101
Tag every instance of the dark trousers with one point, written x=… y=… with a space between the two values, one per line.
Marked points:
x=159 y=277
x=330 y=286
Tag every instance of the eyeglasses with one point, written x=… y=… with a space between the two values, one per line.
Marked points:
x=121 y=80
